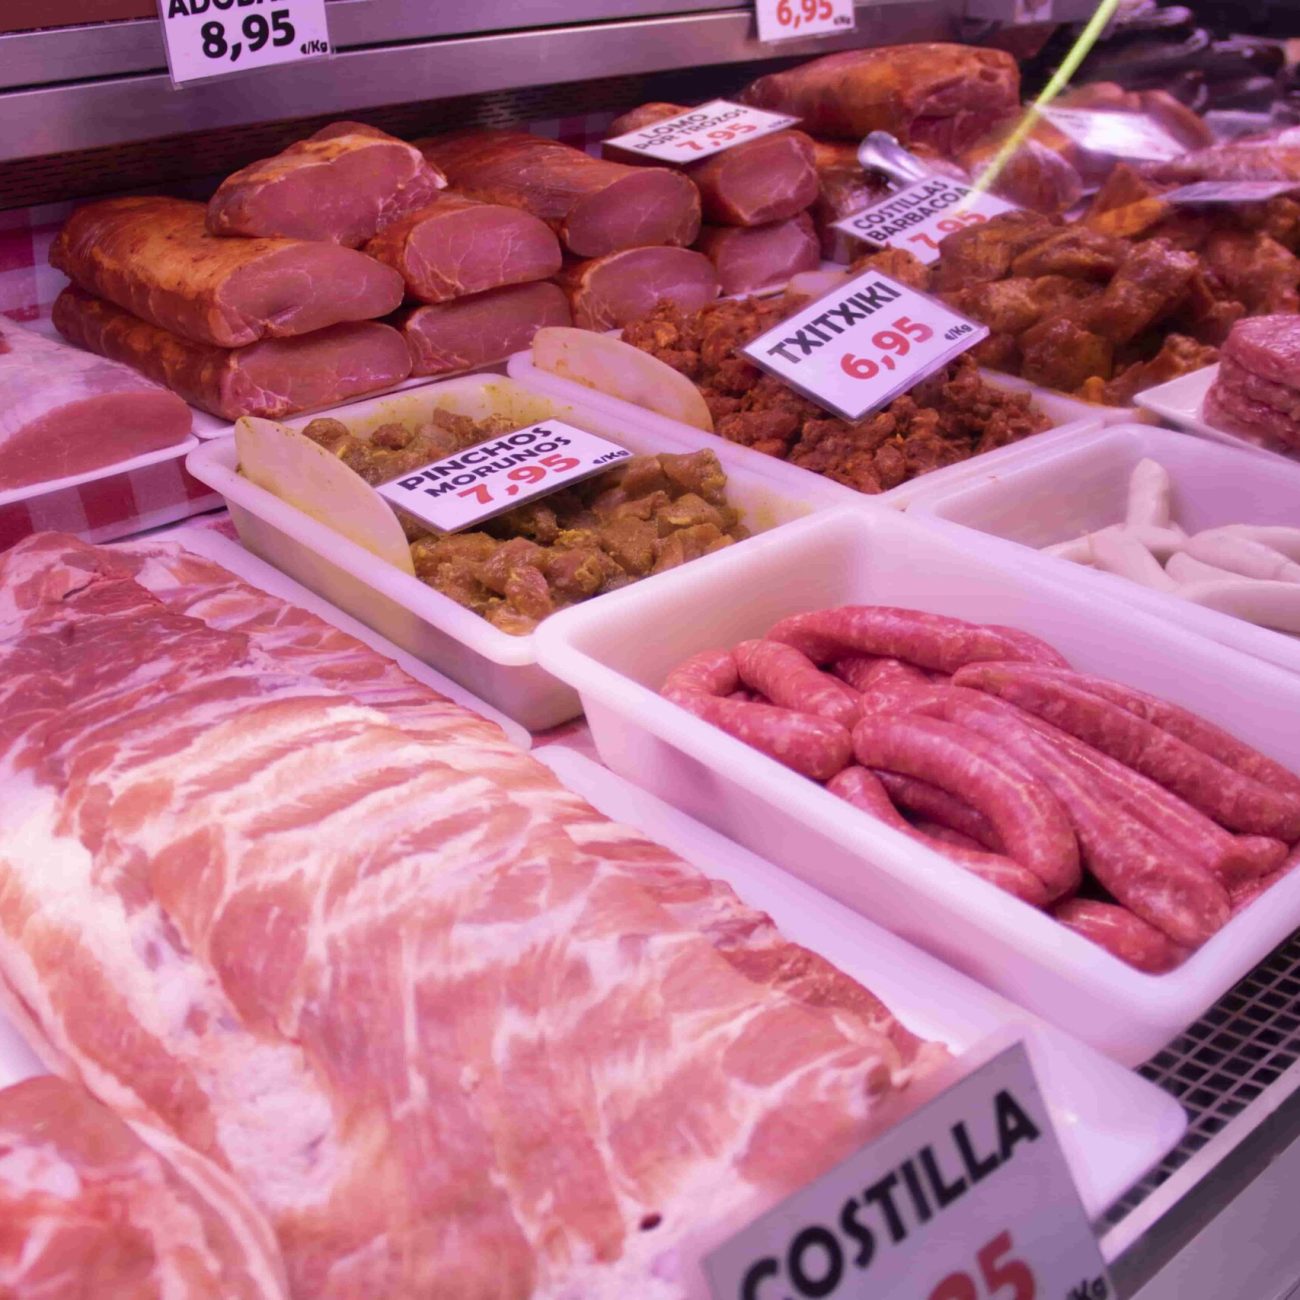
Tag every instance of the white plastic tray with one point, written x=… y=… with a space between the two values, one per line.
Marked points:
x=500 y=668
x=618 y=651
x=1113 y=1125
x=1082 y=486
x=1067 y=415
x=1181 y=402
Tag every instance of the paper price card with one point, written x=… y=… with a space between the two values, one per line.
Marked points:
x=969 y=1198
x=209 y=38
x=495 y=476
x=1229 y=191
x=918 y=217
x=864 y=343
x=783 y=20
x=700 y=132
x=1122 y=135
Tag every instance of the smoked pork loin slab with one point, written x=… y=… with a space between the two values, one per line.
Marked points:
x=752 y=257
x=608 y=292
x=65 y=412
x=155 y=258
x=455 y=1033
x=91 y=1207
x=344 y=184
x=595 y=207
x=273 y=378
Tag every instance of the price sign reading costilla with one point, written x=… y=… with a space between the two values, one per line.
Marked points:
x=208 y=38
x=495 y=476
x=918 y=217
x=969 y=1198
x=861 y=345
x=783 y=20
x=702 y=131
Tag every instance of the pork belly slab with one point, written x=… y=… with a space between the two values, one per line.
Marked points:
x=455 y=1033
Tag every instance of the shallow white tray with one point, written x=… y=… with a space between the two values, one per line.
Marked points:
x=1113 y=1124
x=1181 y=402
x=1083 y=486
x=13 y=495
x=617 y=651
x=497 y=667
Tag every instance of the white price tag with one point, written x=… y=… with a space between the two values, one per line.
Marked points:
x=861 y=345
x=209 y=38
x=495 y=476
x=918 y=217
x=969 y=1198
x=784 y=20
x=1230 y=191
x=1121 y=135
x=700 y=132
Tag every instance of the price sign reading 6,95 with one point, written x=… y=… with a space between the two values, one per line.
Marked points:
x=209 y=38
x=785 y=20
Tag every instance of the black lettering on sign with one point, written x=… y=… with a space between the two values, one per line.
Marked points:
x=919 y=1203
x=944 y=1193
x=859 y=1232
x=758 y=1272
x=976 y=1169
x=881 y=1191
x=820 y=1276
x=1013 y=1124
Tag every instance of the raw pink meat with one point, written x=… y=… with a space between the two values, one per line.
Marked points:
x=748 y=258
x=609 y=292
x=1283 y=398
x=455 y=1033
x=1268 y=346
x=64 y=412
x=90 y=1208
x=1228 y=408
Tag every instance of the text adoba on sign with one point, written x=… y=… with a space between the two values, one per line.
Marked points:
x=969 y=1198
x=209 y=38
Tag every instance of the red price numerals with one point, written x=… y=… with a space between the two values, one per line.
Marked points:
x=788 y=15
x=1003 y=1278
x=721 y=135
x=897 y=339
x=948 y=225
x=524 y=475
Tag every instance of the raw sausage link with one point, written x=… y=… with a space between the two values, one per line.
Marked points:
x=947 y=836
x=1029 y=820
x=926 y=800
x=1248 y=891
x=711 y=672
x=793 y=681
x=1121 y=933
x=864 y=790
x=855 y=670
x=1236 y=801
x=930 y=640
x=1035 y=650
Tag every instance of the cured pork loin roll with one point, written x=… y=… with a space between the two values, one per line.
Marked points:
x=943 y=96
x=608 y=292
x=484 y=328
x=155 y=258
x=273 y=378
x=595 y=207
x=64 y=412
x=749 y=258
x=343 y=185
x=456 y=246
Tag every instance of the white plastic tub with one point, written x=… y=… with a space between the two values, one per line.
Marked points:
x=495 y=666
x=1067 y=415
x=1082 y=486
x=617 y=652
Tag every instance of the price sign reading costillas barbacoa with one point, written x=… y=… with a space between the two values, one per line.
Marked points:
x=969 y=1198
x=701 y=132
x=495 y=476
x=785 y=20
x=861 y=345
x=918 y=217
x=210 y=38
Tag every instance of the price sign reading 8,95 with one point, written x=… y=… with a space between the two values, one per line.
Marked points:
x=785 y=20
x=210 y=38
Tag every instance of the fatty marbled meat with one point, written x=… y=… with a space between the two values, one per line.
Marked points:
x=1257 y=390
x=92 y=1207
x=753 y=257
x=608 y=292
x=453 y=1032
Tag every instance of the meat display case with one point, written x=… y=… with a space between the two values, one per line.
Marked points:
x=88 y=107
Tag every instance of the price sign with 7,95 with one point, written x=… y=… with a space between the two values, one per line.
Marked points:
x=786 y=20
x=210 y=38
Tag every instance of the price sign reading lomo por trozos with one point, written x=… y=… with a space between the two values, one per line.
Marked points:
x=700 y=132
x=784 y=20
x=969 y=1198
x=500 y=474
x=208 y=38
x=918 y=217
x=861 y=345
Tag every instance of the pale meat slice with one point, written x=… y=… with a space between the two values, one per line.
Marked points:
x=392 y=978
x=154 y=258
x=1231 y=408
x=273 y=378
x=448 y=337
x=754 y=257
x=608 y=292
x=456 y=246
x=1267 y=346
x=344 y=184
x=90 y=1207
x=596 y=207
x=65 y=412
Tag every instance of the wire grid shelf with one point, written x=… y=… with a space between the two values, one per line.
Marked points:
x=1220 y=1065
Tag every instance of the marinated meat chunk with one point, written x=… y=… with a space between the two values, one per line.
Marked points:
x=986 y=251
x=1178 y=355
x=1058 y=353
x=1075 y=252
x=1150 y=284
x=1255 y=268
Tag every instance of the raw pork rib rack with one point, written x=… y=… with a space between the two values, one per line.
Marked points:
x=453 y=1032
